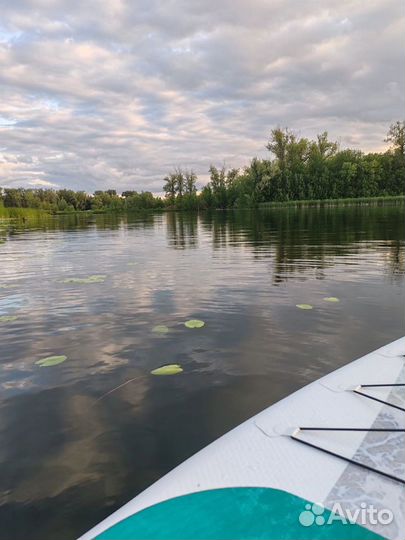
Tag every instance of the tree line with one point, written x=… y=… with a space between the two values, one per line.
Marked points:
x=67 y=200
x=297 y=169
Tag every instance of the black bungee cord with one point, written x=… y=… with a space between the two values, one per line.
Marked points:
x=374 y=430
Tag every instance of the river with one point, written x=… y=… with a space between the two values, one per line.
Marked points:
x=74 y=447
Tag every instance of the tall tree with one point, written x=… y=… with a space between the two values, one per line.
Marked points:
x=396 y=136
x=217 y=181
x=190 y=179
x=180 y=182
x=325 y=147
x=170 y=186
x=278 y=143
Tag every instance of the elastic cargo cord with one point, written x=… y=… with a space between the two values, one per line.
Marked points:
x=347 y=459
x=349 y=429
x=379 y=400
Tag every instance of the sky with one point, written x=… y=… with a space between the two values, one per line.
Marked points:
x=100 y=94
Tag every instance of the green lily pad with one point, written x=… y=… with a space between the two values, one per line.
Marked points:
x=331 y=299
x=169 y=369
x=98 y=278
x=304 y=306
x=51 y=361
x=194 y=323
x=8 y=318
x=160 y=329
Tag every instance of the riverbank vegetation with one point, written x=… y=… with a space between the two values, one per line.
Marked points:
x=349 y=201
x=298 y=172
x=11 y=213
x=66 y=200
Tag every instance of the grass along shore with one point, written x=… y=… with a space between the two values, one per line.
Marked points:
x=7 y=213
x=11 y=213
x=352 y=201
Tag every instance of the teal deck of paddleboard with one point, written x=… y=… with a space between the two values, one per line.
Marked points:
x=234 y=514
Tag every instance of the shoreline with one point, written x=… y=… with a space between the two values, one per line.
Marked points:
x=27 y=213
x=350 y=201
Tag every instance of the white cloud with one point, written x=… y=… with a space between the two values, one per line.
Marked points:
x=37 y=182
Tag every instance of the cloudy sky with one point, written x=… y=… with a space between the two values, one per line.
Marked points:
x=114 y=93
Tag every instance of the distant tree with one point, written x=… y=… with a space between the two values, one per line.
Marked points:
x=190 y=179
x=180 y=182
x=218 y=186
x=325 y=147
x=396 y=136
x=12 y=197
x=278 y=144
x=206 y=198
x=170 y=187
x=189 y=200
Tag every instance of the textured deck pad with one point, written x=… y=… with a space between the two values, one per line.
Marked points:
x=382 y=451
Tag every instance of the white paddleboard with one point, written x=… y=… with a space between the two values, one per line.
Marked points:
x=269 y=478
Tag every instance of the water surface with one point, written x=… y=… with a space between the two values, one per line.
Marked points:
x=69 y=458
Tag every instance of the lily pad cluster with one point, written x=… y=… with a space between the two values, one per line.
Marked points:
x=97 y=278
x=173 y=369
x=51 y=361
x=192 y=323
